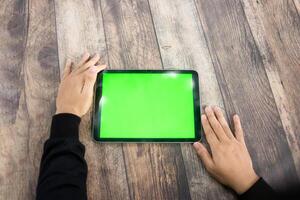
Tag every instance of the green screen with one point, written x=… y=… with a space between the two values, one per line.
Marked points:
x=147 y=105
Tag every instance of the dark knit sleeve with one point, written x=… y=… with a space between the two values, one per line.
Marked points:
x=260 y=190
x=63 y=169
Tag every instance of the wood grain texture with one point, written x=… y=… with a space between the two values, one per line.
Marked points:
x=13 y=26
x=183 y=46
x=80 y=29
x=22 y=138
x=41 y=78
x=245 y=51
x=154 y=171
x=246 y=90
x=276 y=29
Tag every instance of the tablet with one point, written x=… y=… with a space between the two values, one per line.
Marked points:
x=147 y=106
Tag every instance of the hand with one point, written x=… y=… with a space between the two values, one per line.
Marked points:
x=75 y=92
x=229 y=162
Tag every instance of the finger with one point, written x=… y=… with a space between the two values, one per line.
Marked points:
x=204 y=155
x=91 y=76
x=84 y=59
x=67 y=69
x=100 y=68
x=216 y=126
x=91 y=62
x=238 y=129
x=223 y=121
x=209 y=133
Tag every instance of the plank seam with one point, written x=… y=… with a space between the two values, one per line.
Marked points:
x=190 y=196
x=59 y=73
x=156 y=39
x=106 y=47
x=296 y=8
x=29 y=160
x=126 y=175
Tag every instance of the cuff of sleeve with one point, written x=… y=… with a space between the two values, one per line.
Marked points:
x=260 y=190
x=65 y=125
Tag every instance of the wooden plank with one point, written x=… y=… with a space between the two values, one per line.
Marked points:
x=80 y=29
x=183 y=46
x=154 y=171
x=41 y=78
x=276 y=29
x=13 y=24
x=246 y=90
x=13 y=141
x=23 y=137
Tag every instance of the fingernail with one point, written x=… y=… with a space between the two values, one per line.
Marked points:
x=196 y=145
x=203 y=117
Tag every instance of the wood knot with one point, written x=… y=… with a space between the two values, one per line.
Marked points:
x=16 y=25
x=47 y=57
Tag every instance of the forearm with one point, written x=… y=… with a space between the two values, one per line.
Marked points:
x=63 y=169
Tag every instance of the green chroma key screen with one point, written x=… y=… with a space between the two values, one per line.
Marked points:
x=147 y=106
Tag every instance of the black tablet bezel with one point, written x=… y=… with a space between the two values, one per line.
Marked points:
x=96 y=116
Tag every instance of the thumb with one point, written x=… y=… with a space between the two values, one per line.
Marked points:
x=204 y=155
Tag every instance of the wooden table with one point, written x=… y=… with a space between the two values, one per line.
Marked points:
x=247 y=54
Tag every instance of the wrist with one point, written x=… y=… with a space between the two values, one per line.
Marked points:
x=246 y=183
x=68 y=111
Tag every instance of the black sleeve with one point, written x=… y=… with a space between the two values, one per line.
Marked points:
x=63 y=169
x=260 y=190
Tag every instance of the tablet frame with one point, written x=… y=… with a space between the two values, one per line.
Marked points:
x=96 y=113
